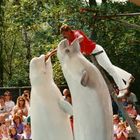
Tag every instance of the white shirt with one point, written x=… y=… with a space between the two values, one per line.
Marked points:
x=132 y=97
x=9 y=105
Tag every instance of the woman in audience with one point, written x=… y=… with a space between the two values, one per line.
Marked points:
x=17 y=122
x=20 y=105
x=26 y=96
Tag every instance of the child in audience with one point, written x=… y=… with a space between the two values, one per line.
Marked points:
x=121 y=132
x=27 y=132
x=13 y=133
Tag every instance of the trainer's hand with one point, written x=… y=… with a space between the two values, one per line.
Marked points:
x=50 y=54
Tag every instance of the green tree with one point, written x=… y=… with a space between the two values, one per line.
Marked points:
x=2 y=3
x=31 y=28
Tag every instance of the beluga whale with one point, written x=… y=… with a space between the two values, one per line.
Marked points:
x=92 y=107
x=49 y=111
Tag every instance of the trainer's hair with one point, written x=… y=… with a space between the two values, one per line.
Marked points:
x=64 y=28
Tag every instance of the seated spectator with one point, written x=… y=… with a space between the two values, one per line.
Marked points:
x=13 y=133
x=5 y=129
x=66 y=92
x=2 y=119
x=8 y=101
x=2 y=105
x=0 y=133
x=116 y=121
x=124 y=101
x=121 y=132
x=3 y=112
x=26 y=96
x=138 y=126
x=23 y=118
x=67 y=97
x=20 y=105
x=7 y=123
x=138 y=118
x=17 y=122
x=5 y=134
x=27 y=132
x=131 y=110
x=131 y=97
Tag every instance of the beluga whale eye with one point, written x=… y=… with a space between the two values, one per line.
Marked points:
x=67 y=51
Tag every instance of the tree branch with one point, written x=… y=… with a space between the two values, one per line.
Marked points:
x=116 y=15
x=130 y=25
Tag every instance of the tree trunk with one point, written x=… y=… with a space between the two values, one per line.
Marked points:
x=27 y=44
x=92 y=3
x=1 y=42
x=104 y=1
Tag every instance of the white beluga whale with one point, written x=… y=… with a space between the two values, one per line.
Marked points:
x=92 y=107
x=49 y=112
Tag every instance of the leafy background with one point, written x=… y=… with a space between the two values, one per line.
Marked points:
x=30 y=28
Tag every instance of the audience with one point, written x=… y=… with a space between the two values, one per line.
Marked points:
x=122 y=130
x=15 y=118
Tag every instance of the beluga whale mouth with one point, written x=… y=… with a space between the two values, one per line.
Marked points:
x=41 y=62
x=37 y=69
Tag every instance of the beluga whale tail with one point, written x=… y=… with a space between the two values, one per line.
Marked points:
x=92 y=107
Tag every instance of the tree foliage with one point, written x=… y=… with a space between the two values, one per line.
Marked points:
x=31 y=28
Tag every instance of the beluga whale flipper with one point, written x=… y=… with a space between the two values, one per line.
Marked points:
x=49 y=111
x=92 y=107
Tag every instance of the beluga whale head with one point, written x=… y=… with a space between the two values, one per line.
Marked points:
x=39 y=69
x=66 y=51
